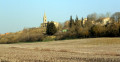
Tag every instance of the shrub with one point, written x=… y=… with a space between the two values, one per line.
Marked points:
x=3 y=40
x=30 y=37
x=23 y=36
x=49 y=38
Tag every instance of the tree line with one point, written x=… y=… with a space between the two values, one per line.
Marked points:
x=89 y=30
x=75 y=29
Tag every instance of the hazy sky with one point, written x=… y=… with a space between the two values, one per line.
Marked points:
x=18 y=14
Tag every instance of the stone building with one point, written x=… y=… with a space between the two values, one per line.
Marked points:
x=106 y=20
x=44 y=24
x=103 y=21
x=84 y=21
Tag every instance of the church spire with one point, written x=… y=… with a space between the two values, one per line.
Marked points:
x=44 y=14
x=44 y=18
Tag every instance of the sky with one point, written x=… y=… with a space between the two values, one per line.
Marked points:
x=15 y=15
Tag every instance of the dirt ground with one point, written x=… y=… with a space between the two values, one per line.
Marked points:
x=78 y=50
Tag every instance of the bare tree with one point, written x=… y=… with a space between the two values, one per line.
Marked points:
x=116 y=16
x=92 y=17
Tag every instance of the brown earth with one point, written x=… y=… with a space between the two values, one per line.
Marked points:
x=78 y=50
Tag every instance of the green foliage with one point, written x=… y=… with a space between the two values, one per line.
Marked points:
x=78 y=26
x=71 y=24
x=77 y=23
x=51 y=28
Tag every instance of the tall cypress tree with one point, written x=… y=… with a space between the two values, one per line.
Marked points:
x=82 y=21
x=76 y=21
x=71 y=22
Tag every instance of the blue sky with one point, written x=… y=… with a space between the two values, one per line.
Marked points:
x=16 y=15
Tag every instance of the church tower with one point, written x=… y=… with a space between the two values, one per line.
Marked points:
x=44 y=18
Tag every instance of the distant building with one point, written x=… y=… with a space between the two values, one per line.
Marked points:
x=84 y=21
x=4 y=34
x=44 y=24
x=56 y=24
x=7 y=33
x=93 y=22
x=106 y=20
x=103 y=21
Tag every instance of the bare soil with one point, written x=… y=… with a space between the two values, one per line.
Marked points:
x=78 y=50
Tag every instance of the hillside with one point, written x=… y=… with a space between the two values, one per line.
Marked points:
x=78 y=50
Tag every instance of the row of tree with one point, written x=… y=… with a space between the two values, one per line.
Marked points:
x=75 y=29
x=78 y=30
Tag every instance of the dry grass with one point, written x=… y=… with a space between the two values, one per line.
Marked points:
x=108 y=53
x=78 y=50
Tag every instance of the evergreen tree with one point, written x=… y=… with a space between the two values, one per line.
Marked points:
x=76 y=18
x=82 y=18
x=82 y=21
x=77 y=22
x=71 y=22
x=71 y=28
x=77 y=26
x=51 y=28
